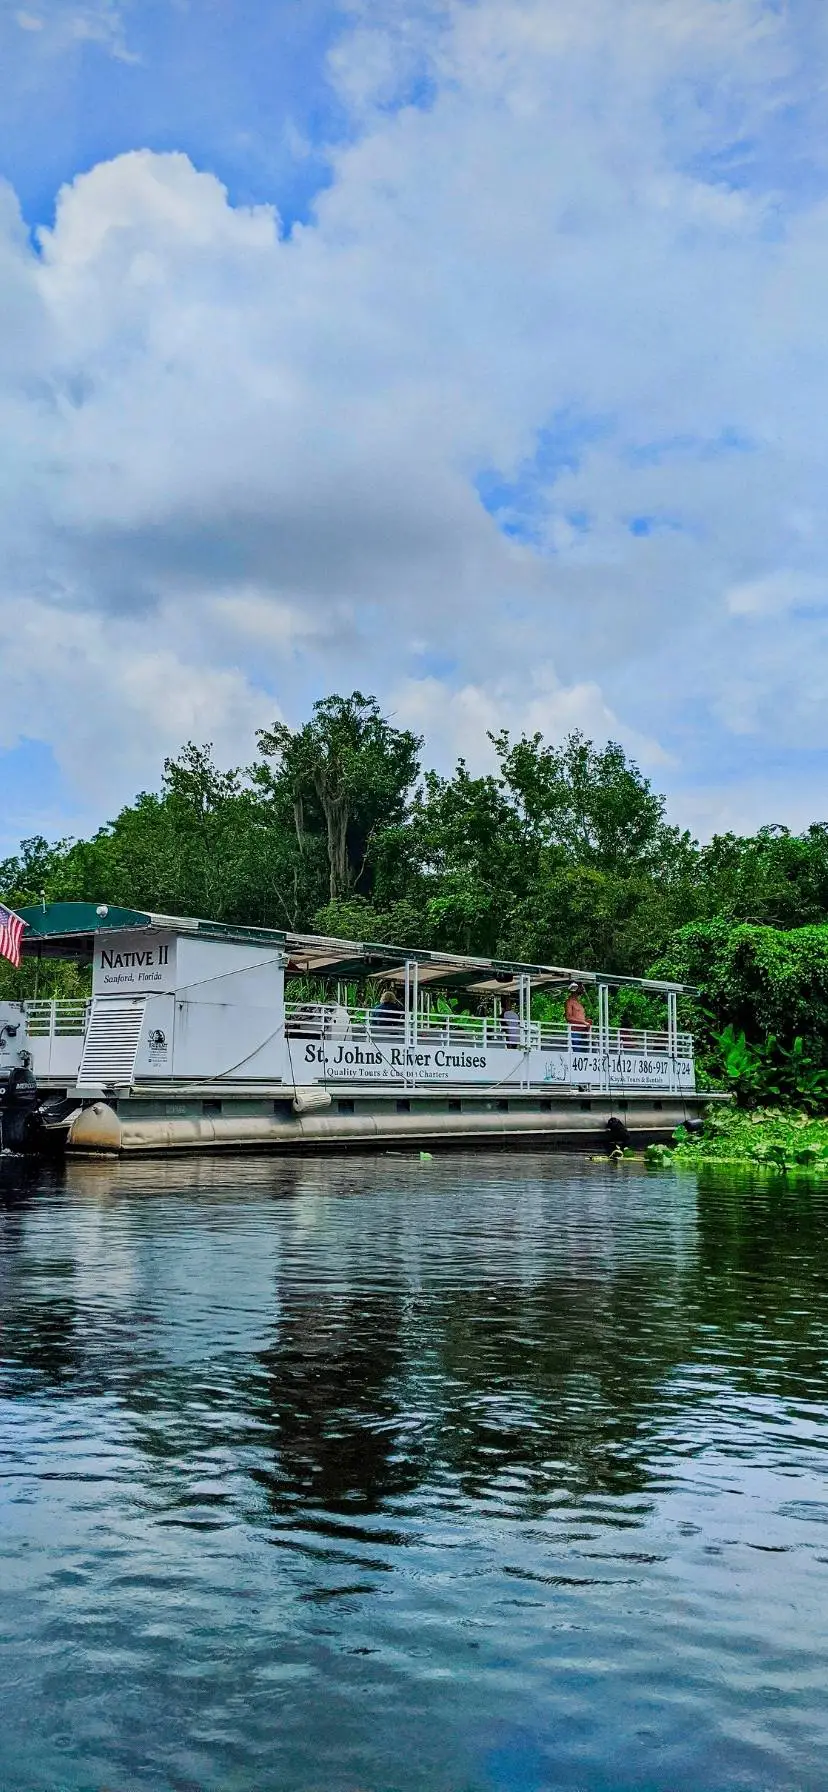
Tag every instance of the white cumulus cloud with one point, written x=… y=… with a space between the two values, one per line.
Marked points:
x=540 y=385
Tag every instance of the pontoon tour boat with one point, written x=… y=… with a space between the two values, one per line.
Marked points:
x=199 y=1036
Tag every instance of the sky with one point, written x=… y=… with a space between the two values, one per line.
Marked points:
x=473 y=353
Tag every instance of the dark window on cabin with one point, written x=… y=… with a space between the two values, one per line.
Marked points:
x=211 y=1107
x=403 y=1107
x=344 y=1107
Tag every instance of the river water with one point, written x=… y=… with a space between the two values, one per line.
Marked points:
x=468 y=1475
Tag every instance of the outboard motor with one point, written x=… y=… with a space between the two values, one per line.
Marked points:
x=19 y=1095
x=617 y=1133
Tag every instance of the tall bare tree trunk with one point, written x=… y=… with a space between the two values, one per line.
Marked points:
x=336 y=819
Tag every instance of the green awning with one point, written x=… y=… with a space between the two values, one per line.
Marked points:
x=43 y=921
x=68 y=929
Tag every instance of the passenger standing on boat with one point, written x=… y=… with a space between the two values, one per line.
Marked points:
x=510 y=1023
x=576 y=1018
x=386 y=1016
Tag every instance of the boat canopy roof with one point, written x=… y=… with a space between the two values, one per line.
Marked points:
x=69 y=929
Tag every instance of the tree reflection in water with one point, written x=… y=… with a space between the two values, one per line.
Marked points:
x=352 y=1333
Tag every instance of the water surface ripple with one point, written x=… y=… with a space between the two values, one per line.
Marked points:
x=376 y=1475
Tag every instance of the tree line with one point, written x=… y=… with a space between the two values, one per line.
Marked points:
x=563 y=855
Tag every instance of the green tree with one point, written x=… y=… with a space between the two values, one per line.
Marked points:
x=759 y=981
x=208 y=843
x=30 y=873
x=610 y=877
x=349 y=773
x=563 y=856
x=774 y=878
x=592 y=803
x=468 y=860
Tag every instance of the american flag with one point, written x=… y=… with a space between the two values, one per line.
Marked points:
x=11 y=933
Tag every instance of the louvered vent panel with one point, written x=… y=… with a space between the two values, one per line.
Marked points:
x=111 y=1043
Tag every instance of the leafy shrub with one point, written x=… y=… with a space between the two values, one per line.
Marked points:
x=759 y=1073
x=762 y=1023
x=759 y=980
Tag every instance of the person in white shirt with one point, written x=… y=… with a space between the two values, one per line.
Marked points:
x=510 y=1023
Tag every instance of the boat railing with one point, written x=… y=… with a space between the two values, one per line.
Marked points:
x=333 y=1020
x=56 y=1019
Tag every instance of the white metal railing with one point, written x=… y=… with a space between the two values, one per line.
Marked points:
x=600 y=1057
x=332 y=1020
x=57 y=1020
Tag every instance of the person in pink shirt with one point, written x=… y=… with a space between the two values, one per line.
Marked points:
x=576 y=1017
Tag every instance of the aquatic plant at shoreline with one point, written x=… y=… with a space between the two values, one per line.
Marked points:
x=775 y=1139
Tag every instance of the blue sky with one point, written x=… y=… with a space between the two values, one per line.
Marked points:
x=241 y=88
x=471 y=351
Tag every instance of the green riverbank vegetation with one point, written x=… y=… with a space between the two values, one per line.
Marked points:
x=780 y=1140
x=560 y=854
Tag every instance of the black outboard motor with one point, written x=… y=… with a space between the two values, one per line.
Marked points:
x=616 y=1131
x=19 y=1105
x=19 y=1094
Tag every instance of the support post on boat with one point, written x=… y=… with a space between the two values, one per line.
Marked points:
x=201 y=1035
